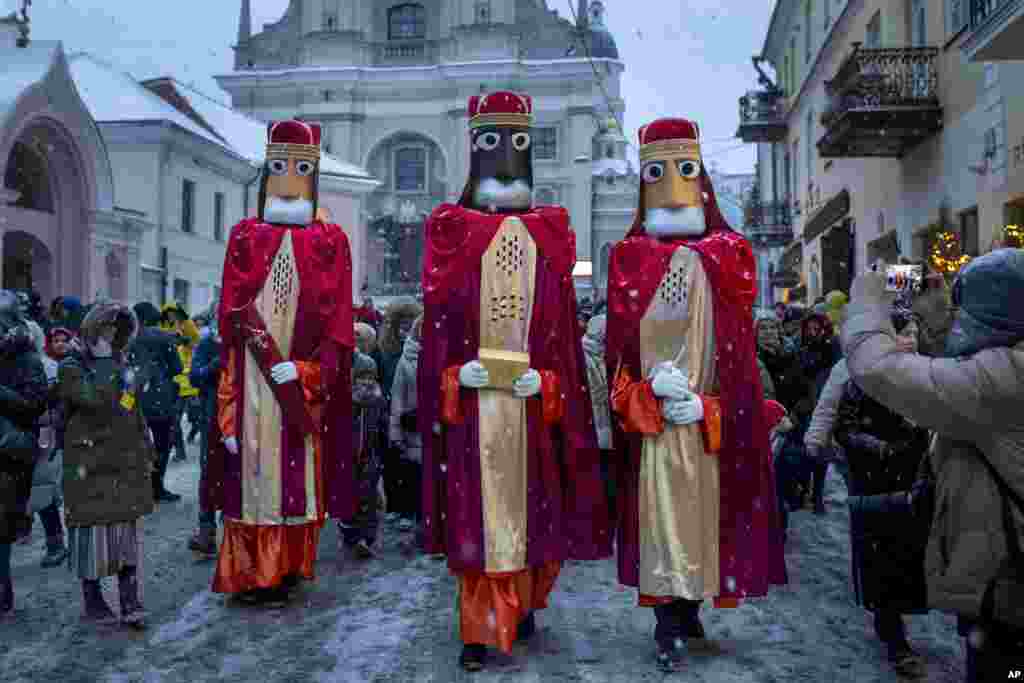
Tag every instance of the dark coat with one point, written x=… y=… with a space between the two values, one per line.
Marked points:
x=107 y=457
x=975 y=404
x=23 y=397
x=154 y=357
x=205 y=373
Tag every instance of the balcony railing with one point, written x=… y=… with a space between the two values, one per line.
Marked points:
x=768 y=223
x=883 y=102
x=762 y=116
x=402 y=52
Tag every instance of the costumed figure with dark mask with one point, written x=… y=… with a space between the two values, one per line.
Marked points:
x=282 y=458
x=696 y=495
x=511 y=469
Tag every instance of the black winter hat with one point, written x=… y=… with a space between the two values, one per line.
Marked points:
x=147 y=313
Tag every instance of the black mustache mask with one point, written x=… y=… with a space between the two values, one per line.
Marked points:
x=499 y=152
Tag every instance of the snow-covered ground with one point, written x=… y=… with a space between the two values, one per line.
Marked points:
x=392 y=619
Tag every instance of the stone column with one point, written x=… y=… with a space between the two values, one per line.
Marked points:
x=458 y=160
x=580 y=131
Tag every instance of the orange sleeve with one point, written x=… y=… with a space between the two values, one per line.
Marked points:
x=551 y=395
x=711 y=425
x=309 y=377
x=636 y=405
x=451 y=408
x=227 y=398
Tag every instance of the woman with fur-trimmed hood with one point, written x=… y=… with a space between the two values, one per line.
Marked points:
x=398 y=319
x=108 y=460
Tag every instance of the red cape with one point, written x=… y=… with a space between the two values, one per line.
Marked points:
x=324 y=333
x=566 y=506
x=750 y=550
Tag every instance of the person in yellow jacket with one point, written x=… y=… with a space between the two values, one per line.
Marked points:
x=175 y=319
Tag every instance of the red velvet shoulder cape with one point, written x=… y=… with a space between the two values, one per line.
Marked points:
x=751 y=553
x=324 y=333
x=567 y=515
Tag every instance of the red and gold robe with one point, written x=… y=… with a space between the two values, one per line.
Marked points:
x=512 y=487
x=276 y=493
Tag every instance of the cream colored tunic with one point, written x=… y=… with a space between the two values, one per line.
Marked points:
x=679 y=486
x=277 y=303
x=506 y=307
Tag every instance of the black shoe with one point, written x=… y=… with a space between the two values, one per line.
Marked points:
x=165 y=496
x=906 y=662
x=527 y=627
x=291 y=581
x=473 y=657
x=94 y=605
x=6 y=597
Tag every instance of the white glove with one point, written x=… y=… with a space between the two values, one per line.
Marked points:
x=527 y=385
x=231 y=443
x=284 y=372
x=683 y=412
x=473 y=375
x=671 y=384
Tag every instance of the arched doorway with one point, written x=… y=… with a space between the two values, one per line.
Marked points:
x=45 y=228
x=27 y=263
x=413 y=173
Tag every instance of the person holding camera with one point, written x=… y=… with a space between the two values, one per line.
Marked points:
x=883 y=451
x=23 y=397
x=973 y=398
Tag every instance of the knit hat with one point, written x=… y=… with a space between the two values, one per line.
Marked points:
x=366 y=338
x=988 y=292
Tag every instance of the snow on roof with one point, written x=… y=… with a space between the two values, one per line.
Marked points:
x=22 y=68
x=112 y=95
x=248 y=136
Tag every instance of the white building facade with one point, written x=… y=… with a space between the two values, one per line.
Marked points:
x=390 y=82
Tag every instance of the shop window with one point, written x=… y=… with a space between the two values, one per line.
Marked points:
x=407 y=22
x=968 y=232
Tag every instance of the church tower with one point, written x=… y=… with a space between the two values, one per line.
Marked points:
x=245 y=23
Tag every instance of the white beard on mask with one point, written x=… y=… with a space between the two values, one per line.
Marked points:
x=491 y=192
x=288 y=212
x=687 y=221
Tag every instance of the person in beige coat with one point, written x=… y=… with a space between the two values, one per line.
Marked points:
x=974 y=399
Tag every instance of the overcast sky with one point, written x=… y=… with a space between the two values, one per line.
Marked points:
x=683 y=57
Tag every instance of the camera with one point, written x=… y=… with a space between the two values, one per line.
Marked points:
x=904 y=278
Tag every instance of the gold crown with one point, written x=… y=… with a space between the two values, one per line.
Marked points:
x=665 y=150
x=291 y=150
x=505 y=119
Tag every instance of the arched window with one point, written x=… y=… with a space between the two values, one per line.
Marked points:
x=407 y=22
x=27 y=174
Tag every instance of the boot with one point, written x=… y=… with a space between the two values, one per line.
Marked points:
x=95 y=607
x=693 y=629
x=818 y=490
x=204 y=543
x=527 y=627
x=56 y=552
x=6 y=597
x=132 y=612
x=473 y=657
x=891 y=631
x=160 y=494
x=668 y=636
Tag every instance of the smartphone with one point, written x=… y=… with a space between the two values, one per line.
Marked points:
x=904 y=278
